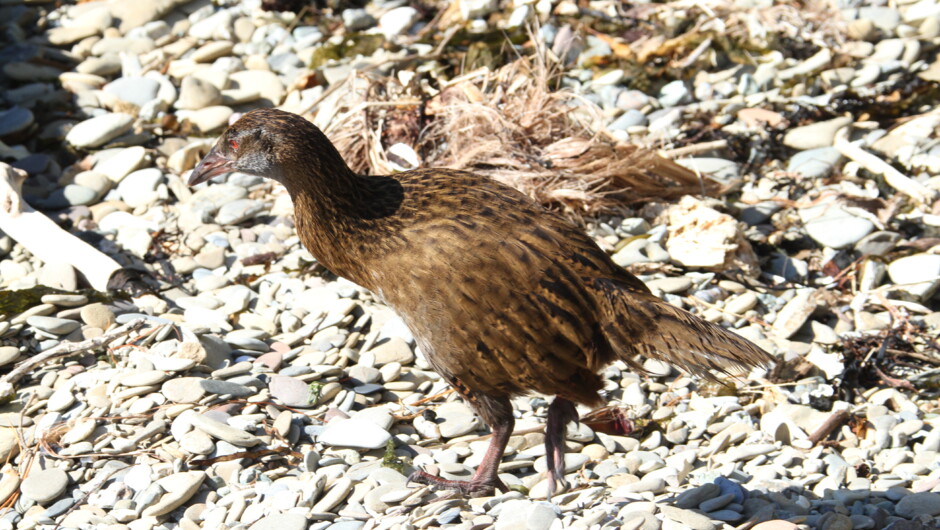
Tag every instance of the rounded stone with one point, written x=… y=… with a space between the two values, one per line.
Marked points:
x=8 y=354
x=45 y=485
x=97 y=315
x=99 y=130
x=56 y=326
x=15 y=120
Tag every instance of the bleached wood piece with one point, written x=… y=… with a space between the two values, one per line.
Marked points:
x=43 y=238
x=893 y=177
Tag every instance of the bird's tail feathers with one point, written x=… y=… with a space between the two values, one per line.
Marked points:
x=637 y=323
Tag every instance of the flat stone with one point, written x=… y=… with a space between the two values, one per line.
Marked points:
x=266 y=83
x=9 y=444
x=61 y=399
x=281 y=521
x=56 y=326
x=224 y=431
x=197 y=443
x=179 y=487
x=292 y=392
x=122 y=164
x=815 y=135
x=183 y=389
x=97 y=315
x=99 y=130
x=675 y=285
x=144 y=378
x=134 y=90
x=915 y=268
x=814 y=163
x=354 y=433
x=398 y=21
x=45 y=485
x=693 y=520
x=394 y=349
x=333 y=496
x=694 y=497
x=15 y=120
x=833 y=226
x=140 y=187
x=8 y=354
x=456 y=419
x=210 y=118
x=878 y=243
x=196 y=93
x=914 y=504
x=794 y=313
x=918 y=274
x=211 y=51
x=9 y=484
x=239 y=211
x=235 y=390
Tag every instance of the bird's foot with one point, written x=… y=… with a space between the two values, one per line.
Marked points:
x=474 y=487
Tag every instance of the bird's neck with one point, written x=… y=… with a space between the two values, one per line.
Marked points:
x=330 y=201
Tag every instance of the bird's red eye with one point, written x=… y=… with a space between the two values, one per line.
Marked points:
x=234 y=144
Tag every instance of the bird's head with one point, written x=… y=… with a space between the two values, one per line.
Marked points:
x=256 y=144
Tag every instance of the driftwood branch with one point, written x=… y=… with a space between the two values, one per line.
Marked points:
x=832 y=423
x=8 y=382
x=45 y=239
x=893 y=177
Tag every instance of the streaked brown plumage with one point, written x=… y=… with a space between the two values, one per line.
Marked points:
x=502 y=296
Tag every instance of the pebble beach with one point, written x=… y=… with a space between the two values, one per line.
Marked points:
x=253 y=389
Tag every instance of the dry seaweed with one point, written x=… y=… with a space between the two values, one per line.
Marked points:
x=508 y=124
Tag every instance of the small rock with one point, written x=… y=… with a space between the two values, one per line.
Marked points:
x=814 y=163
x=97 y=315
x=45 y=485
x=281 y=521
x=292 y=392
x=354 y=433
x=134 y=90
x=99 y=130
x=815 y=135
x=8 y=354
x=914 y=504
x=56 y=326
x=393 y=350
x=183 y=389
x=398 y=21
x=179 y=487
x=223 y=431
x=15 y=120
x=196 y=93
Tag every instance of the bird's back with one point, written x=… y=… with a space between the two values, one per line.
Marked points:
x=497 y=290
x=503 y=296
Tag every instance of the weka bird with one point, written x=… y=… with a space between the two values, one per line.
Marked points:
x=503 y=297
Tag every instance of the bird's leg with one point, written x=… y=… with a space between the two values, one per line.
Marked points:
x=560 y=413
x=498 y=414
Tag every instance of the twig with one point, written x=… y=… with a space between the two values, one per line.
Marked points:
x=7 y=382
x=894 y=381
x=694 y=149
x=832 y=423
x=893 y=177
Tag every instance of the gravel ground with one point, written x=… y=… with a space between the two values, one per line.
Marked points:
x=255 y=390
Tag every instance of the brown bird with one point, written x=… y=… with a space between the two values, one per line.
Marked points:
x=503 y=297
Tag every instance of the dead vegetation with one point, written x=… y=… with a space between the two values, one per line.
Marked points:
x=508 y=124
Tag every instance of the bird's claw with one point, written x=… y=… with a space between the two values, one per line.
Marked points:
x=471 y=488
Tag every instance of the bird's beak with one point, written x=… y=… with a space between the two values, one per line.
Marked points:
x=211 y=165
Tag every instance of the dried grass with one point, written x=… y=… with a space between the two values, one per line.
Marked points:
x=510 y=125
